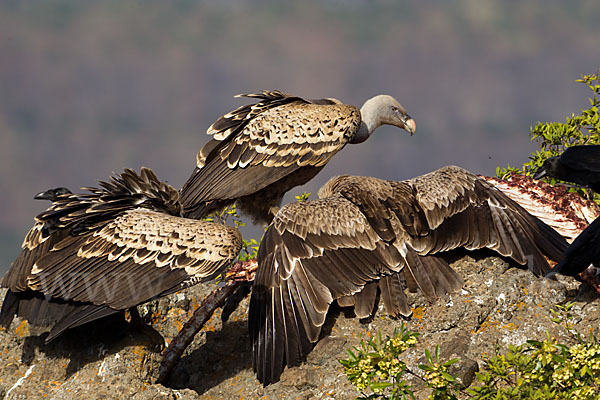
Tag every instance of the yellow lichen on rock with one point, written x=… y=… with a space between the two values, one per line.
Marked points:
x=418 y=313
x=22 y=329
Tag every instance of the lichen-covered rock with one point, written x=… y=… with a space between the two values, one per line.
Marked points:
x=498 y=305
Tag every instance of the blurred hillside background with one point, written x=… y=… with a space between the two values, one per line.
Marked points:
x=88 y=88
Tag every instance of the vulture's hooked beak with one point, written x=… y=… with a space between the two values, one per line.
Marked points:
x=409 y=125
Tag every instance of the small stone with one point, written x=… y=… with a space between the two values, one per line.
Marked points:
x=299 y=377
x=325 y=348
x=464 y=370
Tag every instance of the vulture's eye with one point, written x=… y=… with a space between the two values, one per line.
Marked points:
x=394 y=109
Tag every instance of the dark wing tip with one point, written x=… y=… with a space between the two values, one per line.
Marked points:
x=9 y=308
x=52 y=194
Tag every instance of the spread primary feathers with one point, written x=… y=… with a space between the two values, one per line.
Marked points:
x=366 y=235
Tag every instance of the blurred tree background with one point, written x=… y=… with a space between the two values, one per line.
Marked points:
x=88 y=88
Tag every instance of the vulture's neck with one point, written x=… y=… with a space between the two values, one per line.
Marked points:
x=369 y=122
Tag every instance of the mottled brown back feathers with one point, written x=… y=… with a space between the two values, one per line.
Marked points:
x=257 y=146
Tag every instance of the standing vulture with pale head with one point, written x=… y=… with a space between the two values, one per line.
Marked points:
x=366 y=235
x=262 y=150
x=92 y=255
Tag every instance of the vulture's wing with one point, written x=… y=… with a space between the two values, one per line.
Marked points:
x=451 y=208
x=318 y=251
x=112 y=249
x=312 y=253
x=73 y=214
x=462 y=210
x=261 y=143
x=138 y=256
x=366 y=229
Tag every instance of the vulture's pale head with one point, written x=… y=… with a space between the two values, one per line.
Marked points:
x=386 y=110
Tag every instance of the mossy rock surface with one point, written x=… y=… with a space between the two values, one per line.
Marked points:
x=499 y=304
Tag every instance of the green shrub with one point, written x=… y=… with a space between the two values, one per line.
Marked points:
x=224 y=215
x=444 y=386
x=302 y=197
x=554 y=137
x=543 y=369
x=375 y=364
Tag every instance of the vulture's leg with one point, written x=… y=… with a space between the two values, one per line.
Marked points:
x=156 y=340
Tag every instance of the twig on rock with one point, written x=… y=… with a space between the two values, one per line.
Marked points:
x=238 y=274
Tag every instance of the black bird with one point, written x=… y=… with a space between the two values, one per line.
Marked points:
x=584 y=250
x=577 y=164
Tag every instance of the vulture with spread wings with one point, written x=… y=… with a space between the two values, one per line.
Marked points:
x=260 y=151
x=366 y=235
x=95 y=254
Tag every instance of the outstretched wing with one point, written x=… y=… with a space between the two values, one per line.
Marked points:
x=451 y=208
x=319 y=251
x=311 y=253
x=368 y=232
x=463 y=210
x=261 y=143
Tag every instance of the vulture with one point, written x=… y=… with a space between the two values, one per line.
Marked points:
x=577 y=164
x=260 y=151
x=366 y=235
x=95 y=254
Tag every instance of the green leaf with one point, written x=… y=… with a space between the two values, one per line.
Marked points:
x=450 y=362
x=351 y=355
x=448 y=377
x=380 y=385
x=428 y=356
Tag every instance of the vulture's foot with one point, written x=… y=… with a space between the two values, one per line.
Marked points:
x=155 y=340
